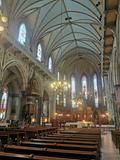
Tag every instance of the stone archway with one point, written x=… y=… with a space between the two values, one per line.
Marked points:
x=14 y=80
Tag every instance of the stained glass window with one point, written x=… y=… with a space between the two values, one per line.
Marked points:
x=3 y=104
x=22 y=34
x=39 y=52
x=84 y=86
x=58 y=99
x=45 y=108
x=95 y=90
x=50 y=64
x=64 y=100
x=0 y=2
x=73 y=91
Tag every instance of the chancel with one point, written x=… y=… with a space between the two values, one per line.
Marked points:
x=60 y=79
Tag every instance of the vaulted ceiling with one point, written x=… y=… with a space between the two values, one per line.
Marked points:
x=72 y=31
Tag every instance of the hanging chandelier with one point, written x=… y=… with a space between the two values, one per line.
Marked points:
x=3 y=21
x=60 y=85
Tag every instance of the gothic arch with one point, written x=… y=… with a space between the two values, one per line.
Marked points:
x=16 y=66
x=14 y=80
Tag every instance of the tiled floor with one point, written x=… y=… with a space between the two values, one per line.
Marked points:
x=109 y=151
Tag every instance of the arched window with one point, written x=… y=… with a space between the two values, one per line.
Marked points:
x=45 y=108
x=73 y=91
x=0 y=3
x=84 y=86
x=39 y=52
x=64 y=100
x=95 y=90
x=50 y=64
x=58 y=99
x=22 y=34
x=3 y=104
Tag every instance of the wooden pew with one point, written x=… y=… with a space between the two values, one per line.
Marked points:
x=73 y=138
x=11 y=136
x=84 y=155
x=65 y=141
x=89 y=131
x=38 y=131
x=60 y=146
x=74 y=135
x=14 y=156
x=14 y=135
x=84 y=134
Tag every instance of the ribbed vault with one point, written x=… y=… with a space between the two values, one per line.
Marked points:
x=68 y=28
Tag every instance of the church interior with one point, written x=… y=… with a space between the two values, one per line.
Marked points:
x=59 y=79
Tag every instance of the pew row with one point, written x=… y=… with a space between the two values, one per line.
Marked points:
x=60 y=146
x=80 y=142
x=84 y=155
x=15 y=135
x=14 y=156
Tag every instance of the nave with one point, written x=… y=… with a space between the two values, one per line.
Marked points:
x=59 y=67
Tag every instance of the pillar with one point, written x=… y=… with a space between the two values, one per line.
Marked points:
x=40 y=110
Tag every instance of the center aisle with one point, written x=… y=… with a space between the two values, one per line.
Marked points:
x=109 y=151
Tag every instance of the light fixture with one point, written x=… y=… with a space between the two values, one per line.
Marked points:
x=60 y=85
x=3 y=20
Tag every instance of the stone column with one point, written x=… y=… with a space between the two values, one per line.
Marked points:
x=115 y=110
x=0 y=90
x=17 y=104
x=117 y=105
x=8 y=112
x=40 y=110
x=14 y=106
x=22 y=105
